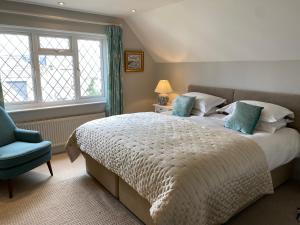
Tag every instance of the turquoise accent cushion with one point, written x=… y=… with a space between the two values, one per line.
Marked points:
x=18 y=152
x=183 y=106
x=244 y=118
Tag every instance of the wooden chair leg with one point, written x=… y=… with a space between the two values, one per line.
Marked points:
x=10 y=188
x=50 y=167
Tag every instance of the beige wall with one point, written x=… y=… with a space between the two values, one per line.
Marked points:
x=138 y=87
x=273 y=76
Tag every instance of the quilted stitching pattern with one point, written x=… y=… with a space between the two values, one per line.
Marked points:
x=189 y=174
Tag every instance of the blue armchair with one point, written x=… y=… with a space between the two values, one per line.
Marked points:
x=20 y=150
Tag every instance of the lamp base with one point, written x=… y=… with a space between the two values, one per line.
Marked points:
x=163 y=99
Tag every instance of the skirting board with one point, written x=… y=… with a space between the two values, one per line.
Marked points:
x=58 y=149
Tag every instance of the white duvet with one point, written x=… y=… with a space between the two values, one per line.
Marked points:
x=190 y=174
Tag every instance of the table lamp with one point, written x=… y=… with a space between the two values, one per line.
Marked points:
x=163 y=88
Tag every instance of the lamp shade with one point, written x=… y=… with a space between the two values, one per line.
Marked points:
x=163 y=87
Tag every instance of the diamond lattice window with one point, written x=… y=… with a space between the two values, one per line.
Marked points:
x=54 y=43
x=57 y=68
x=15 y=68
x=57 y=78
x=89 y=56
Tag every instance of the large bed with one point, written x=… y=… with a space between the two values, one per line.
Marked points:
x=279 y=151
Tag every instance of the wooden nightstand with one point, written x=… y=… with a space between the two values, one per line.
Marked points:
x=162 y=108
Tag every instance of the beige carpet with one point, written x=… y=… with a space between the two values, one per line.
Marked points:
x=74 y=201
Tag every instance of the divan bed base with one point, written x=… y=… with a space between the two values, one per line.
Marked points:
x=140 y=206
x=107 y=178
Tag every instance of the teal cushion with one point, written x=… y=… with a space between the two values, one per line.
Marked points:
x=17 y=153
x=12 y=172
x=183 y=106
x=7 y=128
x=244 y=118
x=28 y=135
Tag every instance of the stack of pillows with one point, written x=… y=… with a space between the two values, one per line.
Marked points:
x=195 y=103
x=245 y=116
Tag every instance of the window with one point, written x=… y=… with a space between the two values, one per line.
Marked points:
x=89 y=66
x=57 y=75
x=16 y=69
x=54 y=43
x=40 y=68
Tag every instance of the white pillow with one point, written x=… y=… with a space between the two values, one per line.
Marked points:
x=205 y=102
x=197 y=112
x=271 y=127
x=271 y=112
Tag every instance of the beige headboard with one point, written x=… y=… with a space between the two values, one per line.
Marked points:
x=290 y=101
x=226 y=93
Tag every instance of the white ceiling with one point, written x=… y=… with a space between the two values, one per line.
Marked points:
x=104 y=7
x=221 y=30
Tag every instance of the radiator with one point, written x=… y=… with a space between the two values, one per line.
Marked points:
x=59 y=130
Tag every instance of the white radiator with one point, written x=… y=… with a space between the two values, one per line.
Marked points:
x=59 y=130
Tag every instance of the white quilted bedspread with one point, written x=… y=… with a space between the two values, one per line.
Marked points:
x=189 y=174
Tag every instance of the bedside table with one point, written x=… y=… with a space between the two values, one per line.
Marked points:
x=162 y=108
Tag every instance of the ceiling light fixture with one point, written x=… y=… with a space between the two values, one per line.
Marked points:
x=61 y=3
x=133 y=10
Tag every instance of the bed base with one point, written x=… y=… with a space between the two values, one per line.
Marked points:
x=107 y=178
x=140 y=206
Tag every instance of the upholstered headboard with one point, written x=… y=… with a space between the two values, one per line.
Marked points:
x=290 y=101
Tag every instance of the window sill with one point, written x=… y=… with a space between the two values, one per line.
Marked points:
x=37 y=108
x=51 y=112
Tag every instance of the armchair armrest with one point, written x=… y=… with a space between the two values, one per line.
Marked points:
x=28 y=135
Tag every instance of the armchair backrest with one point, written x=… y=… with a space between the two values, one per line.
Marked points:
x=7 y=128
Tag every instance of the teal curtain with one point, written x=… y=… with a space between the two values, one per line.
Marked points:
x=1 y=96
x=114 y=92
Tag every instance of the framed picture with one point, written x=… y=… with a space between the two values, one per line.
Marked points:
x=134 y=61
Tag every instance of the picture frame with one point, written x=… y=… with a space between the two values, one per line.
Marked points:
x=134 y=61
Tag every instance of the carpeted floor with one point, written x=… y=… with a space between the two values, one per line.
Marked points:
x=73 y=201
x=277 y=209
x=72 y=197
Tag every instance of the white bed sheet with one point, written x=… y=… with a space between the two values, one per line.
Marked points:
x=279 y=148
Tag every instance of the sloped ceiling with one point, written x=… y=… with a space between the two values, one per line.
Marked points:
x=220 y=30
x=104 y=7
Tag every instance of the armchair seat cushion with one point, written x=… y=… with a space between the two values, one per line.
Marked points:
x=18 y=153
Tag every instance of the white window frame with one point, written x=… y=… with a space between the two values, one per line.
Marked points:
x=35 y=51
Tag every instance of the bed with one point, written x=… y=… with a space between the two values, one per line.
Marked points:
x=280 y=166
